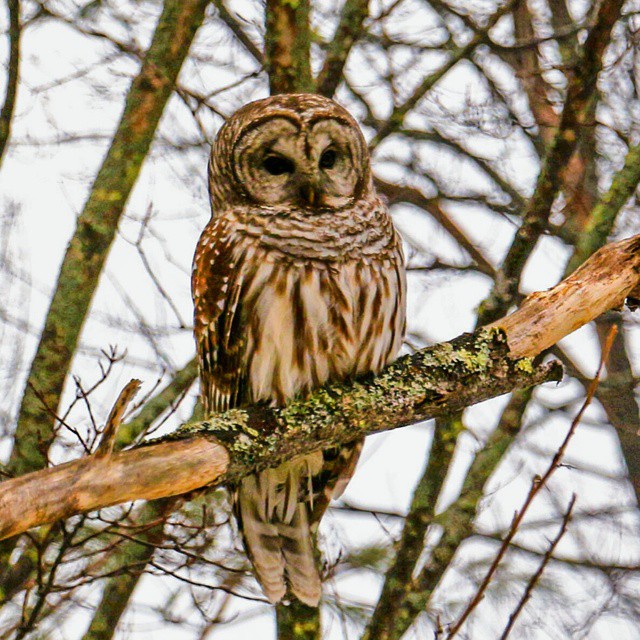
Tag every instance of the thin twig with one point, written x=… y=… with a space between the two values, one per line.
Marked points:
x=536 y=576
x=536 y=486
x=115 y=418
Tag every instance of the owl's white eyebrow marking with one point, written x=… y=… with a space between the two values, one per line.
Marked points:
x=260 y=120
x=312 y=122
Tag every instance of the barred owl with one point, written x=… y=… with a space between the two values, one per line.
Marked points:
x=298 y=280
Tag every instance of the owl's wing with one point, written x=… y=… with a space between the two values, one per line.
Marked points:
x=220 y=341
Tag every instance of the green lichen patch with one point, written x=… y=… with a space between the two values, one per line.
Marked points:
x=433 y=382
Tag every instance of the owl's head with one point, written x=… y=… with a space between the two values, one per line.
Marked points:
x=300 y=151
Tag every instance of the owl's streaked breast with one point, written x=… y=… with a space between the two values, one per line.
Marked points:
x=311 y=323
x=321 y=297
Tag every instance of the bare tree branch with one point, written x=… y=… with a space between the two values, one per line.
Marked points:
x=603 y=282
x=536 y=576
x=238 y=31
x=432 y=382
x=536 y=217
x=459 y=53
x=347 y=34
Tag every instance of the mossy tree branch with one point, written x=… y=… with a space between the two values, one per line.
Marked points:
x=434 y=381
x=288 y=46
x=228 y=446
x=96 y=228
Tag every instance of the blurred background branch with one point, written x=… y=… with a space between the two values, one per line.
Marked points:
x=505 y=139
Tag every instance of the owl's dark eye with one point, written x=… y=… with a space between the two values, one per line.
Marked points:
x=277 y=165
x=328 y=159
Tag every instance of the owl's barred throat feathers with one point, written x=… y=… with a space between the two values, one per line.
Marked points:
x=298 y=280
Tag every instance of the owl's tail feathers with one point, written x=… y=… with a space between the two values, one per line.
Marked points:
x=300 y=564
x=275 y=527
x=261 y=541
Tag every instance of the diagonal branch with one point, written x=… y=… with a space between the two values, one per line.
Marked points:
x=236 y=28
x=433 y=382
x=604 y=214
x=535 y=578
x=97 y=225
x=536 y=217
x=115 y=418
x=229 y=446
x=347 y=34
x=531 y=330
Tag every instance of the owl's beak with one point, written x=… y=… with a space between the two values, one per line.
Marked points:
x=308 y=193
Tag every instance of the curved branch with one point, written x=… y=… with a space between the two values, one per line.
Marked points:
x=230 y=445
x=432 y=382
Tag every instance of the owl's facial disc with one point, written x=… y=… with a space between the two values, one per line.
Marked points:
x=311 y=166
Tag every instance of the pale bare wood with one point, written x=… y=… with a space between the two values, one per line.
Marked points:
x=146 y=473
x=468 y=370
x=602 y=283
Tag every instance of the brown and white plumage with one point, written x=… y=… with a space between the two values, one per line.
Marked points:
x=298 y=279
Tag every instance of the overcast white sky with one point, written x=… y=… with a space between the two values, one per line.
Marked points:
x=70 y=90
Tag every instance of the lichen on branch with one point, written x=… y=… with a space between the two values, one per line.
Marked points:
x=432 y=382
